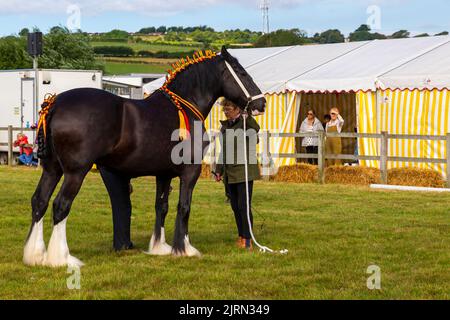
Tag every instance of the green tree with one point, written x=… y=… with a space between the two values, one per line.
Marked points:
x=422 y=35
x=377 y=35
x=360 y=36
x=161 y=29
x=400 y=34
x=205 y=37
x=147 y=30
x=13 y=54
x=363 y=34
x=443 y=33
x=363 y=28
x=24 y=32
x=115 y=35
x=282 y=38
x=175 y=36
x=329 y=36
x=66 y=50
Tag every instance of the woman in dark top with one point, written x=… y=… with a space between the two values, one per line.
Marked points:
x=231 y=167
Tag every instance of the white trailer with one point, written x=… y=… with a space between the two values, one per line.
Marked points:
x=17 y=95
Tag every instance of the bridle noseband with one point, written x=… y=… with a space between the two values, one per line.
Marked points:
x=249 y=97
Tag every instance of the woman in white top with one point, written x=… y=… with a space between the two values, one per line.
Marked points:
x=334 y=145
x=310 y=125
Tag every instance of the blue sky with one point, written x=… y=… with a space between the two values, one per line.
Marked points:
x=417 y=16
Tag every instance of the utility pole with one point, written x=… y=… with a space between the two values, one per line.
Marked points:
x=36 y=88
x=35 y=50
x=265 y=13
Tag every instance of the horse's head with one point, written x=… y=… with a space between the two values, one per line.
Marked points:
x=237 y=93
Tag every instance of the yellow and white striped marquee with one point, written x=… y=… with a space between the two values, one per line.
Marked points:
x=418 y=112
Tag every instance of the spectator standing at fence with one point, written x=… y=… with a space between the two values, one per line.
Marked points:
x=334 y=144
x=311 y=125
x=26 y=150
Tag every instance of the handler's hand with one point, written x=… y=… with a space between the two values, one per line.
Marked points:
x=218 y=177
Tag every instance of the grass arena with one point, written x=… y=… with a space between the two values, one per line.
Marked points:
x=334 y=233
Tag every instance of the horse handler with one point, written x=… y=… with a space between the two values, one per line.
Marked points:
x=231 y=168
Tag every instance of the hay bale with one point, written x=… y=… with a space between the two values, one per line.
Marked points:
x=417 y=177
x=299 y=173
x=354 y=175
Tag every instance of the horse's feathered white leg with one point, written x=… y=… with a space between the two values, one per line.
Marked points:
x=189 y=250
x=34 y=250
x=58 y=251
x=159 y=248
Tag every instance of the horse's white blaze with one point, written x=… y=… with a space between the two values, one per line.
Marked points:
x=34 y=250
x=160 y=248
x=58 y=252
x=189 y=250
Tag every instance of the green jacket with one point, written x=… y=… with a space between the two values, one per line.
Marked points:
x=233 y=170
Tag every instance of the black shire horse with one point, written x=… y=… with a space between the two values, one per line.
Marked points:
x=134 y=137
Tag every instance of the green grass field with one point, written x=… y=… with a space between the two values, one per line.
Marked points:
x=333 y=234
x=148 y=46
x=116 y=68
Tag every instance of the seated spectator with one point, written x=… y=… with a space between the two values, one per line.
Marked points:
x=26 y=150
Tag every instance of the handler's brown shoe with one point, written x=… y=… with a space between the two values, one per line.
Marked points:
x=239 y=242
x=246 y=244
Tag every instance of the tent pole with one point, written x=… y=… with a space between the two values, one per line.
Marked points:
x=378 y=100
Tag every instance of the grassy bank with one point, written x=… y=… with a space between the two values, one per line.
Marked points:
x=148 y=46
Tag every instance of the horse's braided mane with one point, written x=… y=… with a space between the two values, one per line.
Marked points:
x=183 y=64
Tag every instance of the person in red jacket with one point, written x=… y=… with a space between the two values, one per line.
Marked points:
x=26 y=150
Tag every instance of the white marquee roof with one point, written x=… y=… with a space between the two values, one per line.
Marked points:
x=420 y=63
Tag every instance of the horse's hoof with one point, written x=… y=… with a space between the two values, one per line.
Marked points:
x=189 y=250
x=69 y=261
x=160 y=248
x=34 y=257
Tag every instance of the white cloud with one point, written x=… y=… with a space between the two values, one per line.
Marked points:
x=101 y=6
x=155 y=7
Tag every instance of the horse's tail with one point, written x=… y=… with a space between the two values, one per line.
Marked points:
x=43 y=151
x=43 y=128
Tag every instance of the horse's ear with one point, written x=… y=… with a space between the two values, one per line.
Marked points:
x=224 y=53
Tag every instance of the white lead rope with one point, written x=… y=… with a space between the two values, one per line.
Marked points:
x=261 y=248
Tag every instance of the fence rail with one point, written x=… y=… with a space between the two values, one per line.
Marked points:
x=321 y=156
x=383 y=157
